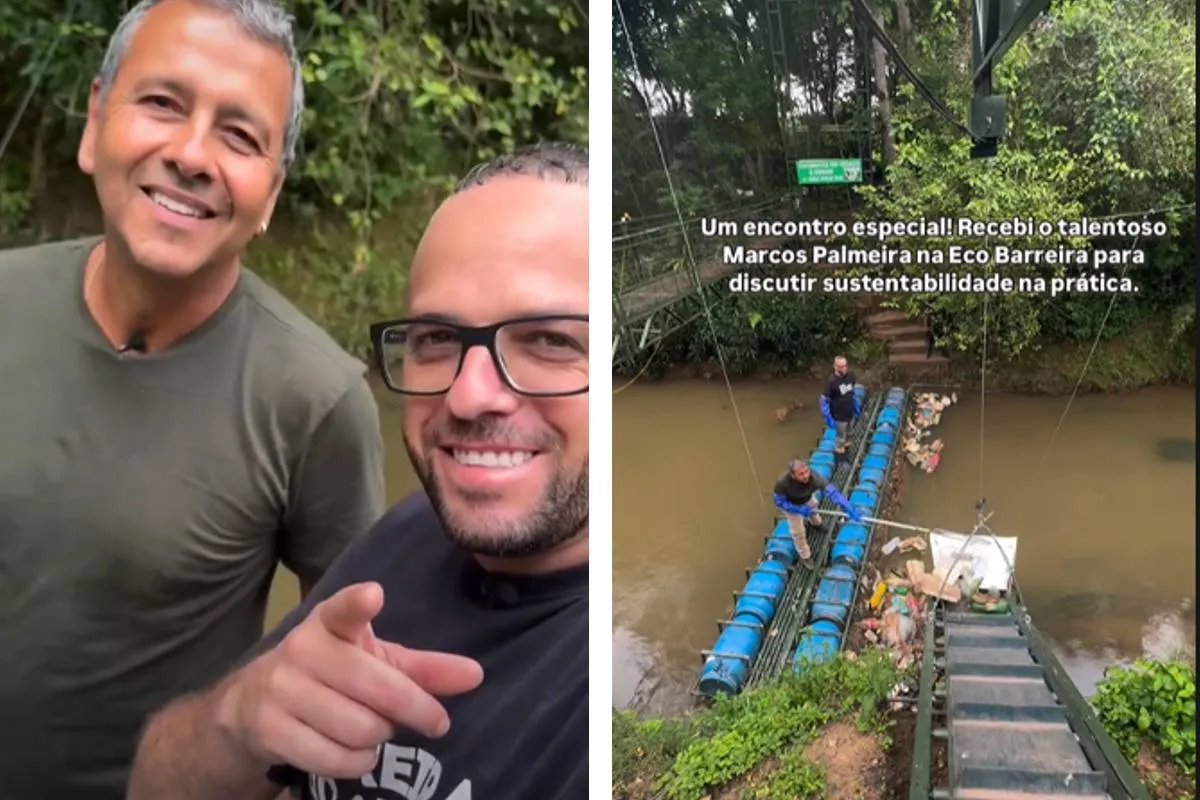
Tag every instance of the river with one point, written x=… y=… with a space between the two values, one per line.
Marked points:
x=1105 y=517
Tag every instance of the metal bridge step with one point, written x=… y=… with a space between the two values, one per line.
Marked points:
x=1024 y=756
x=994 y=631
x=1002 y=794
x=1006 y=712
x=987 y=670
x=988 y=655
x=1000 y=638
x=975 y=618
x=998 y=691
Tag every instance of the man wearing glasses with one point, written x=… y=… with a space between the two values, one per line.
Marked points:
x=444 y=656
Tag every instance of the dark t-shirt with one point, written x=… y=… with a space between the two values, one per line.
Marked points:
x=840 y=391
x=523 y=734
x=145 y=502
x=797 y=492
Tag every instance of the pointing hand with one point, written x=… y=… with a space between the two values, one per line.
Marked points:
x=331 y=693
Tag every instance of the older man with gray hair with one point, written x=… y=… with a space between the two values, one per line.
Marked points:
x=172 y=428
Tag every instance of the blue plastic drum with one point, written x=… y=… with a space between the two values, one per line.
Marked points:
x=726 y=673
x=849 y=554
x=870 y=477
x=883 y=436
x=819 y=643
x=865 y=499
x=852 y=533
x=877 y=461
x=781 y=549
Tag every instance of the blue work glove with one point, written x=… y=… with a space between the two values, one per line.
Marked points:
x=783 y=505
x=841 y=502
x=825 y=411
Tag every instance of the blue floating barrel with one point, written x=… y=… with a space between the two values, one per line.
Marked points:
x=870 y=477
x=830 y=435
x=781 y=529
x=836 y=586
x=762 y=590
x=822 y=457
x=881 y=450
x=875 y=460
x=825 y=446
x=824 y=470
x=819 y=643
x=895 y=393
x=864 y=498
x=883 y=436
x=852 y=533
x=848 y=554
x=889 y=416
x=723 y=671
x=781 y=549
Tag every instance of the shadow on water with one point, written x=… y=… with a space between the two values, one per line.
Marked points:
x=1105 y=516
x=1182 y=451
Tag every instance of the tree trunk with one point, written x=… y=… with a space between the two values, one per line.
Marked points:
x=879 y=60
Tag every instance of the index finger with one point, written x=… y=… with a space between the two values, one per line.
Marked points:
x=348 y=614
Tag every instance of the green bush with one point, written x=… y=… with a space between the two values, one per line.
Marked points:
x=686 y=759
x=1154 y=702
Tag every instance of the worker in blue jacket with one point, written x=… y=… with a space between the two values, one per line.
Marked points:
x=839 y=404
x=794 y=496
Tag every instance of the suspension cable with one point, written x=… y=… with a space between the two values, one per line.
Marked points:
x=1087 y=361
x=662 y=157
x=983 y=385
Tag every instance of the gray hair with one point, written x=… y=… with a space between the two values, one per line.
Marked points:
x=549 y=161
x=796 y=463
x=264 y=20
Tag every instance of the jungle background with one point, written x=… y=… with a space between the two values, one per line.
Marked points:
x=1101 y=122
x=402 y=98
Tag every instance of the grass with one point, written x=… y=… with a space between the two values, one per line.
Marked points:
x=757 y=744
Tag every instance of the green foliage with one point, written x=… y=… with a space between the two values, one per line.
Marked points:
x=785 y=331
x=1151 y=702
x=401 y=98
x=795 y=779
x=686 y=759
x=1101 y=121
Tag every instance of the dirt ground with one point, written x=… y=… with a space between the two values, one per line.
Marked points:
x=1163 y=780
x=853 y=762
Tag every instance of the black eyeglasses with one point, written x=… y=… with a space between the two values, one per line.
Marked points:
x=543 y=356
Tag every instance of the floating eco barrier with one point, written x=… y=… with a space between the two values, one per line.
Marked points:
x=831 y=608
x=727 y=666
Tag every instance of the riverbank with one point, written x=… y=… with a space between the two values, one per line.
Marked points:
x=1150 y=355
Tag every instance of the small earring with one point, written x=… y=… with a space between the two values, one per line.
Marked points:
x=262 y=229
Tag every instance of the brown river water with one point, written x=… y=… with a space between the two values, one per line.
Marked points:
x=1105 y=519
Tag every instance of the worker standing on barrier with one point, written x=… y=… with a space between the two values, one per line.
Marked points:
x=795 y=496
x=839 y=404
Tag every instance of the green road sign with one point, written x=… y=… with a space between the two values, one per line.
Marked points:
x=817 y=171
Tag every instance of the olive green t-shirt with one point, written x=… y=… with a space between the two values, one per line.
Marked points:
x=145 y=502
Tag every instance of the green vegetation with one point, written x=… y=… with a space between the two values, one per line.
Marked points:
x=1101 y=123
x=1149 y=709
x=756 y=738
x=401 y=99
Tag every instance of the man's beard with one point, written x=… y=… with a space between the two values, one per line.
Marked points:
x=560 y=514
